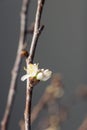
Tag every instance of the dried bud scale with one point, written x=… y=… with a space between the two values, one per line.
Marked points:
x=24 y=53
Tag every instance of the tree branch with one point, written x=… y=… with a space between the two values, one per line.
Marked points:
x=37 y=30
x=29 y=87
x=16 y=67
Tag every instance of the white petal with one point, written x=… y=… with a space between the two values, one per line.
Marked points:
x=45 y=78
x=47 y=74
x=44 y=75
x=24 y=77
x=40 y=76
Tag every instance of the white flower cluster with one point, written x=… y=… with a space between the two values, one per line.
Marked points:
x=33 y=72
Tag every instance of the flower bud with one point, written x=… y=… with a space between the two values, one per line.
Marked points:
x=47 y=74
x=44 y=75
x=39 y=76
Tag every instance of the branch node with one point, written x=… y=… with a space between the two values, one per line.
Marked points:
x=41 y=28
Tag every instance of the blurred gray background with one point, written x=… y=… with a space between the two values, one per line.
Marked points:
x=61 y=48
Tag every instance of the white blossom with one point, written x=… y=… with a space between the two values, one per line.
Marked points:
x=33 y=72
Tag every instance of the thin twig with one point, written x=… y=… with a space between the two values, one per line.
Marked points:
x=37 y=31
x=28 y=106
x=16 y=67
x=47 y=98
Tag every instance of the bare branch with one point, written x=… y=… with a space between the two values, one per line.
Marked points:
x=37 y=31
x=16 y=67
